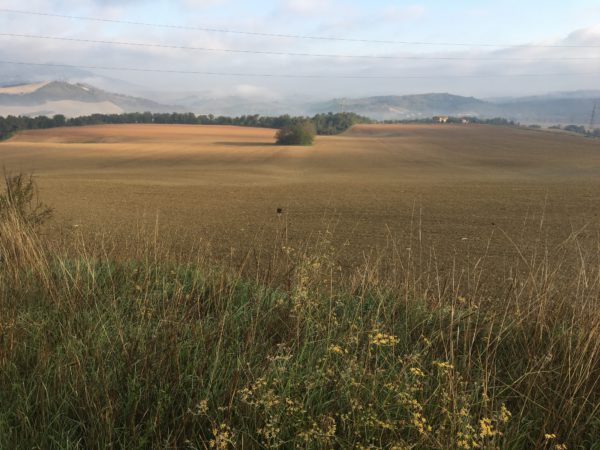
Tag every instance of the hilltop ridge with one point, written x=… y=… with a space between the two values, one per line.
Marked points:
x=59 y=97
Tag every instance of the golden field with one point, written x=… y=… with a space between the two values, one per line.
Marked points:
x=459 y=190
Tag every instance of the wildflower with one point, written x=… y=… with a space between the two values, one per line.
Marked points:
x=420 y=423
x=505 y=414
x=383 y=340
x=466 y=440
x=329 y=426
x=549 y=436
x=222 y=437
x=486 y=428
x=463 y=443
x=270 y=432
x=560 y=447
x=336 y=349
x=443 y=365
x=202 y=407
x=416 y=372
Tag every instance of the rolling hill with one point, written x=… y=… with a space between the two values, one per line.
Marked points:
x=58 y=97
x=76 y=99
x=559 y=108
x=409 y=106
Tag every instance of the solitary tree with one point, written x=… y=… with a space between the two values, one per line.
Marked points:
x=299 y=133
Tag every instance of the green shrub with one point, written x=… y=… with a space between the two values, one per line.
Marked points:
x=21 y=200
x=300 y=133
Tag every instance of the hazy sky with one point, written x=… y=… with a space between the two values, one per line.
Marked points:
x=483 y=71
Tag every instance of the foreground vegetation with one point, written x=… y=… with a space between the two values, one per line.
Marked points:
x=150 y=353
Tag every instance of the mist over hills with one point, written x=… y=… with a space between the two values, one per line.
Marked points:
x=409 y=106
x=555 y=108
x=59 y=97
x=74 y=99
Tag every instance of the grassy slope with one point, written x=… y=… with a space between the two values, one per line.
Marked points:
x=149 y=354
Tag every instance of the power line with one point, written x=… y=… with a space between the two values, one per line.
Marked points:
x=276 y=53
x=290 y=36
x=269 y=75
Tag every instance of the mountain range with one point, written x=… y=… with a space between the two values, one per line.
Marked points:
x=75 y=99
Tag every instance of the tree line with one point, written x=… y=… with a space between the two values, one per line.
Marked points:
x=452 y=119
x=500 y=121
x=325 y=124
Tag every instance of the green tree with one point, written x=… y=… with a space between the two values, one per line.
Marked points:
x=299 y=133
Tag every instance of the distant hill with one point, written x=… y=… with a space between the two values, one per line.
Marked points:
x=557 y=108
x=75 y=99
x=58 y=97
x=550 y=109
x=408 y=106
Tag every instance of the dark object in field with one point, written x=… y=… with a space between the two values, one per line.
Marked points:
x=279 y=211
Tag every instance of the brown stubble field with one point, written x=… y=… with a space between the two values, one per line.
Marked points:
x=456 y=192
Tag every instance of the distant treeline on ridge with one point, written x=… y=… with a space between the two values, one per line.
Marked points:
x=325 y=124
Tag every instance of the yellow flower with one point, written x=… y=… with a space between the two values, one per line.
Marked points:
x=383 y=340
x=443 y=365
x=202 y=407
x=549 y=436
x=416 y=372
x=486 y=428
x=420 y=423
x=270 y=432
x=463 y=443
x=222 y=437
x=336 y=349
x=505 y=414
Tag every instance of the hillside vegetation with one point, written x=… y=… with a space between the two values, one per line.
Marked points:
x=149 y=353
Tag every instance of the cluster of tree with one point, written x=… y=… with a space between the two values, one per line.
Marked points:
x=324 y=123
x=579 y=129
x=300 y=133
x=10 y=124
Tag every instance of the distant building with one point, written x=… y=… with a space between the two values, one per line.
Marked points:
x=440 y=119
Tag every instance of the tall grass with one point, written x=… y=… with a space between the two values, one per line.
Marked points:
x=398 y=353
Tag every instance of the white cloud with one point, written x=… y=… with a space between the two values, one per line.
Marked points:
x=402 y=14
x=202 y=3
x=307 y=7
x=585 y=36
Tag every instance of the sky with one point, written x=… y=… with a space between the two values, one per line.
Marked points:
x=508 y=47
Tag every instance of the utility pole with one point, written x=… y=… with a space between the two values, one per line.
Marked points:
x=593 y=119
